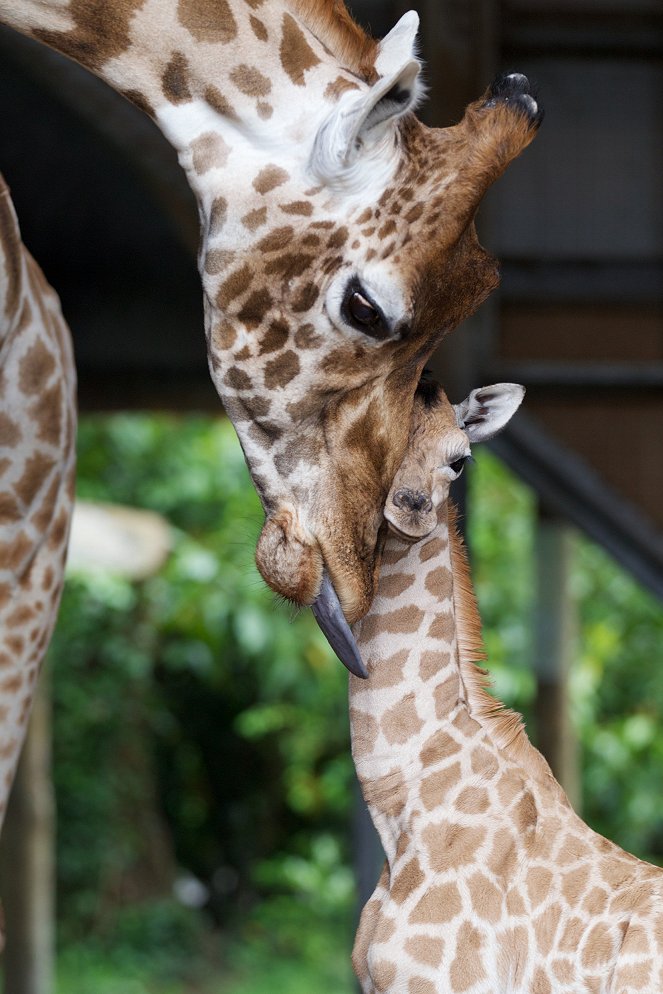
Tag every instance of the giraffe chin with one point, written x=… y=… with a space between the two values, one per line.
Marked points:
x=329 y=615
x=411 y=532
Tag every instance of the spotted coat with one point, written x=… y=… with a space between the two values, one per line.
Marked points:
x=493 y=885
x=37 y=459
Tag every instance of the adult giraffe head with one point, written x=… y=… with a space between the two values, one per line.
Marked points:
x=338 y=244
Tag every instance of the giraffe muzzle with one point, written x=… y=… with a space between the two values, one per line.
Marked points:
x=329 y=615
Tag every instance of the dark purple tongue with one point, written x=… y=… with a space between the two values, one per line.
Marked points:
x=329 y=615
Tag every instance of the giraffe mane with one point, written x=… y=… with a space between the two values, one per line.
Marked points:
x=333 y=26
x=505 y=725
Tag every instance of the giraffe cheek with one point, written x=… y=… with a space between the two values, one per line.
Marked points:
x=288 y=561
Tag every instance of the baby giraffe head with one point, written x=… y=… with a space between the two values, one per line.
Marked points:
x=440 y=440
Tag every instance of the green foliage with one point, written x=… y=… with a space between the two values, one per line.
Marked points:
x=501 y=547
x=283 y=949
x=617 y=679
x=190 y=694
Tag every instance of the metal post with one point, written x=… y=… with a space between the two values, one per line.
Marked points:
x=555 y=625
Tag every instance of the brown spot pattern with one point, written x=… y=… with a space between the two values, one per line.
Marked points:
x=387 y=672
x=387 y=793
x=395 y=584
x=431 y=549
x=306 y=337
x=234 y=285
x=425 y=949
x=219 y=102
x=47 y=412
x=258 y=28
x=175 y=79
x=37 y=469
x=432 y=662
x=487 y=899
x=338 y=86
x=383 y=973
x=406 y=881
x=304 y=300
x=439 y=746
x=269 y=178
x=207 y=22
x=107 y=24
x=209 y=151
x=419 y=985
x=364 y=731
x=10 y=433
x=467 y=967
x=254 y=308
x=274 y=338
x=442 y=627
x=276 y=240
x=302 y=207
x=439 y=905
x=280 y=371
x=36 y=366
x=435 y=787
x=255 y=219
x=403 y=619
x=440 y=583
x=297 y=56
x=400 y=722
x=250 y=81
x=451 y=845
x=237 y=379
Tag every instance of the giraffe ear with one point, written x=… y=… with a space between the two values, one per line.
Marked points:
x=488 y=410
x=361 y=118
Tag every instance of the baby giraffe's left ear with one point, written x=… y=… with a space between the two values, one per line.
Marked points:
x=488 y=409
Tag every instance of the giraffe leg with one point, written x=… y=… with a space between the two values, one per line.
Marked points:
x=37 y=463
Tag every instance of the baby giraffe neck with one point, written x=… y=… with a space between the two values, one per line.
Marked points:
x=423 y=719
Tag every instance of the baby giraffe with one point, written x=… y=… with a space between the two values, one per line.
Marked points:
x=493 y=885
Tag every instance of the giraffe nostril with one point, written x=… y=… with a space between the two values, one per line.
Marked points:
x=412 y=500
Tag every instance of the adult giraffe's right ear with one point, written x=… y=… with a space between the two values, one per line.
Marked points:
x=360 y=119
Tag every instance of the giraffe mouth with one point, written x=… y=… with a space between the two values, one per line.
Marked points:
x=413 y=532
x=329 y=615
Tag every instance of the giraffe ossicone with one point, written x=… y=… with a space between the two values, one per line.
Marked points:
x=338 y=245
x=492 y=885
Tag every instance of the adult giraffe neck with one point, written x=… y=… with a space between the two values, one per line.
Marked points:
x=425 y=699
x=196 y=66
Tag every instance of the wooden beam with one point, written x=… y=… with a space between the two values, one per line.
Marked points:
x=28 y=862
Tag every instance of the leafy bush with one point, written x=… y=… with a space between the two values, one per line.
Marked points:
x=616 y=685
x=196 y=724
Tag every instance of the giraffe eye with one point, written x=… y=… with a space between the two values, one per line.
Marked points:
x=457 y=465
x=360 y=312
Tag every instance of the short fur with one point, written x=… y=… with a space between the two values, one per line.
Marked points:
x=332 y=24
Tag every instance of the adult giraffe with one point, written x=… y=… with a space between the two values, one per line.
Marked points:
x=338 y=243
x=37 y=460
